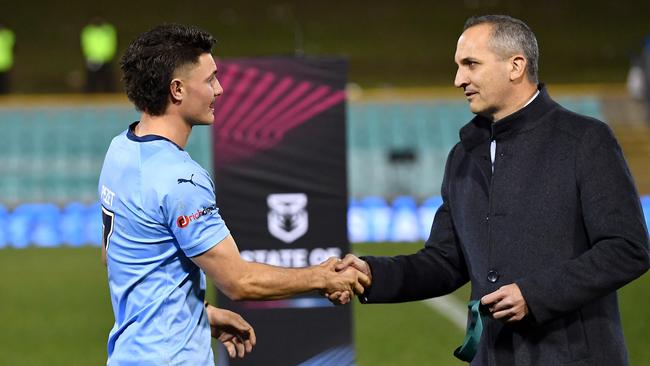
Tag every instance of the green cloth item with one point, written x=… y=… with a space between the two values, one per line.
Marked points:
x=468 y=349
x=7 y=40
x=99 y=43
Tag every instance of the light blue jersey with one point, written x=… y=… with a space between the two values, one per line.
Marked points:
x=159 y=210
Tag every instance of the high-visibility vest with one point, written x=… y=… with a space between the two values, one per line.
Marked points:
x=7 y=40
x=99 y=42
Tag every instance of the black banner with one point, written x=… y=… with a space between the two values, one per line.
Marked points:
x=280 y=172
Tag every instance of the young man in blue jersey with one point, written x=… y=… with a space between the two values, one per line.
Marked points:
x=162 y=228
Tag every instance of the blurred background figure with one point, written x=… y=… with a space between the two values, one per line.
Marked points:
x=99 y=45
x=638 y=78
x=645 y=65
x=7 y=41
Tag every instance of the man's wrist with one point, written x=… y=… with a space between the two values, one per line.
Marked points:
x=318 y=278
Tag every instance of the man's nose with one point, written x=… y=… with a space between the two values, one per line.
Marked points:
x=461 y=79
x=218 y=90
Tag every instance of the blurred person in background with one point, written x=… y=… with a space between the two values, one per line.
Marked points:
x=540 y=214
x=99 y=45
x=645 y=65
x=635 y=82
x=638 y=78
x=7 y=42
x=162 y=227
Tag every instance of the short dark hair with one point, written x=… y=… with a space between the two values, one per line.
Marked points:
x=509 y=36
x=150 y=61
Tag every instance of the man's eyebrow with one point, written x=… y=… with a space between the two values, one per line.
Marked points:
x=468 y=60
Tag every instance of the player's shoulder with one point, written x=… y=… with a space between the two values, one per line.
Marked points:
x=118 y=141
x=171 y=171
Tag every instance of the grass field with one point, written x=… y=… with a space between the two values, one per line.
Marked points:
x=55 y=310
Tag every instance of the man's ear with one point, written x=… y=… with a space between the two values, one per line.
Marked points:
x=176 y=90
x=518 y=66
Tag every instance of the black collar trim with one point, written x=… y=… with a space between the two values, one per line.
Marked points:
x=130 y=134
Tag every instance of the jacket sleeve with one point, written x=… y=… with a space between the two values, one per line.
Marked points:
x=437 y=269
x=615 y=228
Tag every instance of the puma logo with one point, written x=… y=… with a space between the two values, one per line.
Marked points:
x=181 y=180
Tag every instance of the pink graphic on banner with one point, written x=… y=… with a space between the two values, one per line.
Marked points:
x=258 y=108
x=257 y=112
x=227 y=79
x=235 y=111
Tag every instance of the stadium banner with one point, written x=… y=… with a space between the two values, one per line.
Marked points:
x=280 y=172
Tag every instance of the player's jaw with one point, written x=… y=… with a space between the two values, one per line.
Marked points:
x=210 y=113
x=201 y=114
x=206 y=117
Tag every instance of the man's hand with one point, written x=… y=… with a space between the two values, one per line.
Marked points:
x=350 y=260
x=506 y=304
x=344 y=283
x=232 y=331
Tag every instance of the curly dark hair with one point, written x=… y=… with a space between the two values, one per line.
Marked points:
x=150 y=60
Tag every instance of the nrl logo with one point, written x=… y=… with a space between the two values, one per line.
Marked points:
x=287 y=219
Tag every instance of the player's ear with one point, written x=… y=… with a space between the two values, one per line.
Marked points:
x=176 y=90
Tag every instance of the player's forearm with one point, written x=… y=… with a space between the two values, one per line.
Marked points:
x=241 y=280
x=263 y=282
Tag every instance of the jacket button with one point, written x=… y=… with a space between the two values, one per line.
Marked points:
x=492 y=276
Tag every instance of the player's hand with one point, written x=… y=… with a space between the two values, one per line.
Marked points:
x=338 y=297
x=350 y=260
x=232 y=331
x=345 y=283
x=506 y=304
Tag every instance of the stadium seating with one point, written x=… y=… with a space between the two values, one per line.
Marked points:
x=371 y=219
x=55 y=153
x=93 y=224
x=378 y=215
x=45 y=225
x=396 y=149
x=375 y=130
x=426 y=213
x=20 y=225
x=404 y=220
x=72 y=224
x=4 y=234
x=358 y=229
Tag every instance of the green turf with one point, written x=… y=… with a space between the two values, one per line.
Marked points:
x=55 y=310
x=402 y=334
x=54 y=307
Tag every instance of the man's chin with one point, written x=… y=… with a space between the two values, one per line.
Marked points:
x=475 y=108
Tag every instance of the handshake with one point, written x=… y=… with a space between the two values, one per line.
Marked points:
x=345 y=278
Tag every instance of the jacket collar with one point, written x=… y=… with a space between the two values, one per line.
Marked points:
x=481 y=129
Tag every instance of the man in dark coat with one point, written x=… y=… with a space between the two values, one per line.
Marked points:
x=539 y=212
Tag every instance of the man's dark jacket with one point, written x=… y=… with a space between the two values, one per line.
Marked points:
x=559 y=216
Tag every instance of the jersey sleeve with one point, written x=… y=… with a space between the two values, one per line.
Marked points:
x=192 y=214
